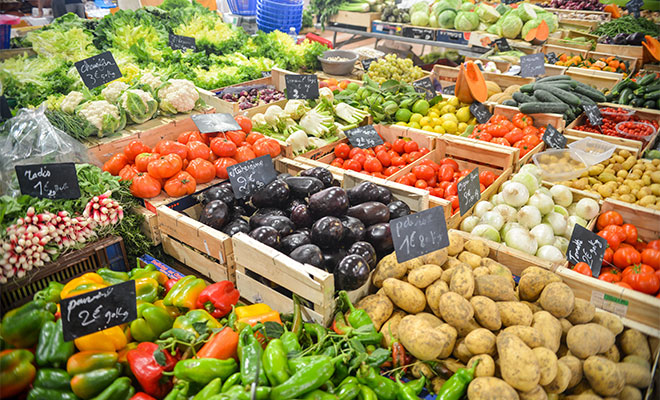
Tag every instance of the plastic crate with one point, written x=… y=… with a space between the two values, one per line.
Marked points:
x=105 y=253
x=593 y=151
x=5 y=36
x=243 y=7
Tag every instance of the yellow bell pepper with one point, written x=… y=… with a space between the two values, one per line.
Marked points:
x=171 y=310
x=111 y=339
x=82 y=284
x=252 y=311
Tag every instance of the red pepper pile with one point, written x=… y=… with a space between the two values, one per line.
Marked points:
x=380 y=161
x=628 y=261
x=520 y=132
x=611 y=117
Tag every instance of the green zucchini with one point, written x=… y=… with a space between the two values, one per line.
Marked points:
x=528 y=88
x=610 y=96
x=647 y=79
x=510 y=102
x=637 y=101
x=521 y=97
x=649 y=104
x=538 y=107
x=623 y=97
x=563 y=95
x=546 y=97
x=554 y=78
x=584 y=99
x=653 y=95
x=593 y=94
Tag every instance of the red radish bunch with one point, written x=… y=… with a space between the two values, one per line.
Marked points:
x=103 y=210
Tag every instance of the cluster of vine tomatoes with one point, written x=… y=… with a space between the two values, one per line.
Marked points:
x=520 y=132
x=177 y=166
x=381 y=161
x=628 y=262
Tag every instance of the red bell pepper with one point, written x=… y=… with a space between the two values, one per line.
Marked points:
x=169 y=283
x=218 y=298
x=148 y=371
x=142 y=396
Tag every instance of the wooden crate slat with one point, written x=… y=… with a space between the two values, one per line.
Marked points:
x=646 y=220
x=188 y=256
x=150 y=225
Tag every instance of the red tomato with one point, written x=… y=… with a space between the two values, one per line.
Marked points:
x=398 y=161
x=421 y=184
x=446 y=173
x=142 y=160
x=424 y=150
x=128 y=173
x=611 y=275
x=244 y=153
x=454 y=202
x=437 y=192
x=530 y=130
x=641 y=279
x=452 y=190
x=613 y=240
x=202 y=170
x=631 y=233
x=238 y=137
x=145 y=186
x=607 y=258
x=487 y=178
x=424 y=172
x=389 y=171
x=651 y=257
x=165 y=147
x=134 y=148
x=371 y=164
x=399 y=146
x=223 y=147
x=253 y=137
x=531 y=140
x=245 y=123
x=502 y=141
x=356 y=150
x=190 y=136
x=514 y=135
x=654 y=244
x=623 y=285
x=410 y=146
x=342 y=150
x=582 y=268
x=115 y=164
x=181 y=184
x=625 y=256
x=198 y=150
x=451 y=163
x=414 y=156
x=165 y=166
x=384 y=158
x=359 y=157
x=609 y=218
x=352 y=164
x=221 y=165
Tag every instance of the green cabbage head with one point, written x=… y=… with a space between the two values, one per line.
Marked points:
x=419 y=18
x=511 y=26
x=466 y=21
x=446 y=19
x=487 y=14
x=140 y=106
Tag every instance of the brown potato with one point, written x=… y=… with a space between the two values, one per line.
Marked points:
x=549 y=328
x=430 y=318
x=588 y=340
x=478 y=247
x=390 y=329
x=575 y=366
x=404 y=295
x=583 y=312
x=480 y=341
x=388 y=267
x=489 y=388
x=486 y=366
x=424 y=275
x=518 y=364
x=378 y=307
x=470 y=259
x=635 y=342
x=534 y=307
x=433 y=294
x=637 y=360
x=630 y=393
x=496 y=268
x=514 y=313
x=547 y=363
x=486 y=312
x=558 y=299
x=464 y=329
x=603 y=376
x=454 y=309
x=420 y=369
x=462 y=281
x=560 y=383
x=535 y=394
x=533 y=281
x=449 y=332
x=462 y=352
x=610 y=321
x=495 y=287
x=455 y=243
x=527 y=334
x=612 y=354
x=635 y=375
x=565 y=327
x=420 y=339
x=437 y=257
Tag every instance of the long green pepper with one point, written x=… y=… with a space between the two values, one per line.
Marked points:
x=384 y=388
x=456 y=386
x=305 y=380
x=356 y=317
x=274 y=361
x=250 y=354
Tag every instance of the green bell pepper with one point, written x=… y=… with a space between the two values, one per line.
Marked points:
x=92 y=372
x=120 y=389
x=204 y=370
x=112 y=277
x=147 y=289
x=192 y=320
x=21 y=326
x=52 y=350
x=152 y=321
x=52 y=384
x=50 y=293
x=149 y=271
x=184 y=293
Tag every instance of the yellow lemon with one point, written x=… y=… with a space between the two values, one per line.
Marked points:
x=448 y=109
x=438 y=129
x=450 y=126
x=463 y=114
x=473 y=121
x=416 y=117
x=432 y=114
x=436 y=121
x=450 y=117
x=425 y=121
x=439 y=105
x=401 y=123
x=462 y=126
x=427 y=128
x=454 y=101
x=414 y=125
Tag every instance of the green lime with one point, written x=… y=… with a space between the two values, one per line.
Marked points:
x=403 y=115
x=421 y=107
x=352 y=86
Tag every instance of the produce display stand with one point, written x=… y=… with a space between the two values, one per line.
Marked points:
x=361 y=21
x=637 y=310
x=632 y=62
x=108 y=252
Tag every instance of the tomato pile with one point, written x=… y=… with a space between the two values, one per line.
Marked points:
x=194 y=158
x=628 y=261
x=636 y=130
x=380 y=161
x=520 y=132
x=441 y=179
x=611 y=117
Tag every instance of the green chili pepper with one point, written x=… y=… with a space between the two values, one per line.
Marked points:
x=250 y=353
x=455 y=387
x=341 y=373
x=328 y=386
x=375 y=359
x=372 y=337
x=300 y=363
x=319 y=395
x=297 y=324
x=384 y=388
x=212 y=388
x=315 y=330
x=404 y=392
x=180 y=391
x=329 y=351
x=274 y=361
x=305 y=380
x=120 y=389
x=179 y=334
x=417 y=385
x=356 y=317
x=349 y=379
x=366 y=393
x=290 y=342
x=231 y=381
x=204 y=370
x=348 y=391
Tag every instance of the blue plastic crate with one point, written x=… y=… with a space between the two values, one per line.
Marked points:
x=243 y=7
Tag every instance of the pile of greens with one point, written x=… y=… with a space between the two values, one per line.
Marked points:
x=628 y=24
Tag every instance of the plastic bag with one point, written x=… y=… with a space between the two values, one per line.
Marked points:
x=29 y=138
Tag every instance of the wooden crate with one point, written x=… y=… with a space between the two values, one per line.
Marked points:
x=553 y=70
x=361 y=21
x=636 y=52
x=504 y=81
x=572 y=45
x=224 y=106
x=597 y=79
x=559 y=50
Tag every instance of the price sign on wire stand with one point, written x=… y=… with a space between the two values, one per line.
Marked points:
x=552 y=58
x=593 y=114
x=98 y=310
x=248 y=177
x=417 y=234
x=48 y=181
x=586 y=246
x=425 y=86
x=469 y=191
x=553 y=138
x=367 y=63
x=633 y=7
x=364 y=137
x=98 y=70
x=502 y=44
x=301 y=86
x=480 y=112
x=183 y=43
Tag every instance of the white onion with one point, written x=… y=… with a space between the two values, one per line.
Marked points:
x=587 y=208
x=486 y=232
x=571 y=209
x=493 y=218
x=482 y=207
x=534 y=170
x=504 y=185
x=497 y=199
x=570 y=224
x=561 y=195
x=543 y=234
x=542 y=202
x=505 y=210
x=544 y=190
x=508 y=226
x=469 y=223
x=560 y=210
x=521 y=239
x=557 y=222
x=550 y=253
x=529 y=216
x=515 y=194
x=527 y=179
x=561 y=243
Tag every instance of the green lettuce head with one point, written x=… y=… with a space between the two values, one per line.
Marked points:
x=419 y=18
x=466 y=21
x=140 y=106
x=511 y=26
x=105 y=117
x=446 y=19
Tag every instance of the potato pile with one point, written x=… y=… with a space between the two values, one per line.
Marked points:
x=534 y=340
x=623 y=178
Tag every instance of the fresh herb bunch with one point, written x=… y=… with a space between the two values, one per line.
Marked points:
x=628 y=24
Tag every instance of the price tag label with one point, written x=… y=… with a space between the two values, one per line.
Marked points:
x=552 y=58
x=469 y=191
x=367 y=63
x=421 y=233
x=633 y=7
x=5 y=111
x=98 y=70
x=208 y=123
x=182 y=43
x=480 y=112
x=49 y=181
x=449 y=90
x=609 y=303
x=502 y=44
x=364 y=137
x=266 y=74
x=553 y=138
x=593 y=113
x=301 y=86
x=249 y=176
x=532 y=65
x=425 y=86
x=586 y=246
x=98 y=310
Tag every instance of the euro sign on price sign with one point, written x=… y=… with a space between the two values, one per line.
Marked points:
x=418 y=234
x=301 y=86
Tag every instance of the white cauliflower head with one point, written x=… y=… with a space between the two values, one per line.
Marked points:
x=178 y=96
x=71 y=101
x=114 y=89
x=140 y=106
x=151 y=80
x=106 y=117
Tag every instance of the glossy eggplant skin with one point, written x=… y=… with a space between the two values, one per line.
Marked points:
x=309 y=254
x=215 y=214
x=351 y=273
x=301 y=217
x=370 y=213
x=331 y=201
x=384 y=195
x=362 y=193
x=304 y=186
x=366 y=251
x=275 y=194
x=380 y=236
x=236 y=225
x=292 y=204
x=266 y=235
x=354 y=229
x=220 y=192
x=283 y=225
x=331 y=258
x=320 y=173
x=293 y=241
x=283 y=176
x=327 y=232
x=398 y=209
x=269 y=211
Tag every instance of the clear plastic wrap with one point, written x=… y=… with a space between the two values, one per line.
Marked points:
x=29 y=138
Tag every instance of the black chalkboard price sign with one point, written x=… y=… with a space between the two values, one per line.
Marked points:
x=98 y=70
x=502 y=44
x=266 y=74
x=480 y=112
x=532 y=65
x=49 y=181
x=448 y=89
x=586 y=246
x=425 y=86
x=364 y=137
x=593 y=113
x=182 y=43
x=553 y=138
x=301 y=86
x=469 y=191
x=633 y=7
x=421 y=233
x=223 y=122
x=367 y=63
x=552 y=58
x=249 y=176
x=98 y=310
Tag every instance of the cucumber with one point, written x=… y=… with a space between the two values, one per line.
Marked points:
x=623 y=97
x=655 y=95
x=528 y=88
x=521 y=97
x=647 y=79
x=593 y=94
x=554 y=78
x=561 y=86
x=585 y=99
x=638 y=101
x=538 y=107
x=546 y=97
x=569 y=115
x=563 y=95
x=510 y=102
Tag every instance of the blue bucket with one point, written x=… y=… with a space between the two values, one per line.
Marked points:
x=267 y=27
x=243 y=7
